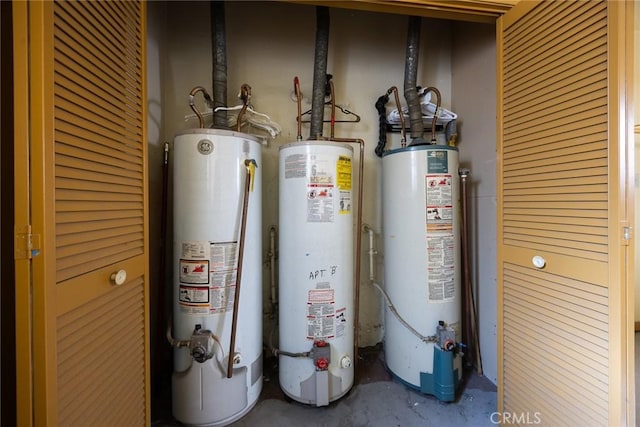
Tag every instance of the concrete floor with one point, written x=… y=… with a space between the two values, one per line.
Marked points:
x=375 y=400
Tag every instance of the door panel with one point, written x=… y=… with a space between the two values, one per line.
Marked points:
x=101 y=364
x=98 y=121
x=88 y=204
x=562 y=196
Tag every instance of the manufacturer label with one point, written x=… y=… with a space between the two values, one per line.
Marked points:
x=205 y=147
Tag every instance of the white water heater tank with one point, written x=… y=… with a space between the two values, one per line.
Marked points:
x=422 y=274
x=316 y=292
x=210 y=172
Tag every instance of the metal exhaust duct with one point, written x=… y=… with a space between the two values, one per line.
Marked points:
x=319 y=71
x=410 y=78
x=219 y=47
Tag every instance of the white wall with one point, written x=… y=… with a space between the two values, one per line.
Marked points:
x=474 y=100
x=268 y=43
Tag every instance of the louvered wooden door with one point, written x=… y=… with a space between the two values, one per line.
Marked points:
x=86 y=332
x=564 y=151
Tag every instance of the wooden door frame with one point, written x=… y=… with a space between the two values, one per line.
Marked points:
x=626 y=61
x=42 y=171
x=24 y=377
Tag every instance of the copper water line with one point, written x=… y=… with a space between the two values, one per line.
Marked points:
x=466 y=322
x=359 y=219
x=207 y=98
x=162 y=264
x=358 y=240
x=296 y=87
x=468 y=300
x=333 y=109
x=435 y=113
x=236 y=298
x=403 y=140
x=245 y=94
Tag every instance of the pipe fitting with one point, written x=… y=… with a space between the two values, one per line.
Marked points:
x=192 y=104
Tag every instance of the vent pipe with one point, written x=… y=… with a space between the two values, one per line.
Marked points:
x=410 y=78
x=319 y=72
x=219 y=53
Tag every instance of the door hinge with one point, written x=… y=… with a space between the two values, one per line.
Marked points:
x=27 y=245
x=627 y=234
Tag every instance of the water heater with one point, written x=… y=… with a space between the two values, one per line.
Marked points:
x=422 y=275
x=316 y=313
x=217 y=234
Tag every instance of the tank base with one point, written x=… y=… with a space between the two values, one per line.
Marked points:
x=442 y=383
x=319 y=390
x=203 y=397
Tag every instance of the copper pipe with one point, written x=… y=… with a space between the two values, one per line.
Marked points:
x=403 y=139
x=435 y=113
x=356 y=292
x=296 y=87
x=161 y=310
x=466 y=323
x=245 y=94
x=192 y=104
x=236 y=298
x=469 y=303
x=333 y=109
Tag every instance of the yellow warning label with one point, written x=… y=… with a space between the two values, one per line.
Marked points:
x=343 y=173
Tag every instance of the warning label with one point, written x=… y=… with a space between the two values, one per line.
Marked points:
x=345 y=203
x=222 y=298
x=439 y=203
x=344 y=183
x=194 y=271
x=441 y=284
x=295 y=166
x=218 y=274
x=320 y=188
x=319 y=203
x=321 y=314
x=194 y=295
x=439 y=233
x=195 y=250
x=224 y=256
x=343 y=172
x=440 y=267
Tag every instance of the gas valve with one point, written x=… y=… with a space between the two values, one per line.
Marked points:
x=201 y=344
x=445 y=337
x=321 y=354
